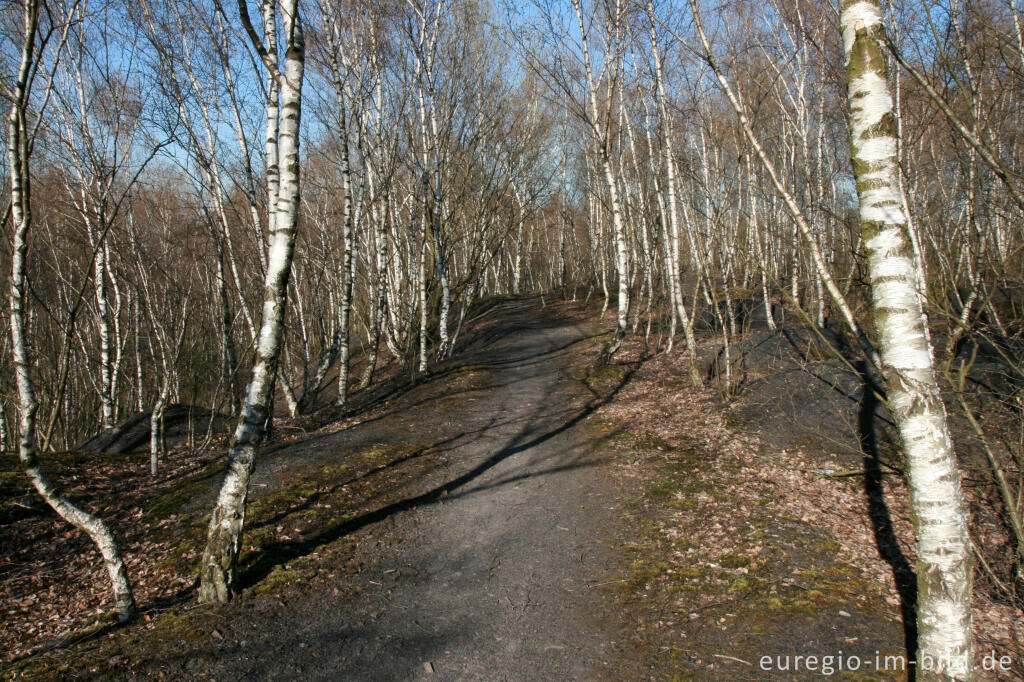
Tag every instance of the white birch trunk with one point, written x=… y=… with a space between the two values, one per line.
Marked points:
x=800 y=220
x=421 y=283
x=349 y=260
x=669 y=156
x=218 y=581
x=379 y=299
x=156 y=425
x=18 y=152
x=103 y=324
x=602 y=140
x=940 y=518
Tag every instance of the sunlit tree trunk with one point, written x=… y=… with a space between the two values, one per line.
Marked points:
x=103 y=325
x=349 y=261
x=800 y=220
x=602 y=140
x=668 y=154
x=940 y=518
x=379 y=290
x=19 y=146
x=218 y=581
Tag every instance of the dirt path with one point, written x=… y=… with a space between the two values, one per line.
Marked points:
x=519 y=514
x=485 y=567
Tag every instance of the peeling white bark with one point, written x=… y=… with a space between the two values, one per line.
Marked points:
x=602 y=140
x=668 y=154
x=218 y=581
x=940 y=518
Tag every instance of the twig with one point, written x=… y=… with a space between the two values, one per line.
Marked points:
x=988 y=569
x=609 y=582
x=733 y=658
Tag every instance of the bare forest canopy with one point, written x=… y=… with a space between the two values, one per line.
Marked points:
x=209 y=195
x=472 y=157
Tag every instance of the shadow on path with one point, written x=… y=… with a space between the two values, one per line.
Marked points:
x=881 y=520
x=282 y=552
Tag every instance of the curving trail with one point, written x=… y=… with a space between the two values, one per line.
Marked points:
x=488 y=566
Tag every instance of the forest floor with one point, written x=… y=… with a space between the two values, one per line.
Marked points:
x=522 y=512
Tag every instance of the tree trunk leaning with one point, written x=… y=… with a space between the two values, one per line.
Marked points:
x=940 y=518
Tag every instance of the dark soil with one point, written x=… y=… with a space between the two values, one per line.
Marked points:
x=525 y=512
x=181 y=423
x=728 y=559
x=473 y=551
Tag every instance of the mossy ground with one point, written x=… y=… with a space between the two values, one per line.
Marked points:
x=715 y=575
x=699 y=604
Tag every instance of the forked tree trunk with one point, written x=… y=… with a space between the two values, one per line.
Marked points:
x=218 y=580
x=940 y=519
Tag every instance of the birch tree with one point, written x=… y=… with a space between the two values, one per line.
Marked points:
x=218 y=580
x=788 y=199
x=668 y=153
x=22 y=126
x=940 y=518
x=601 y=127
